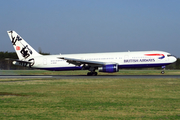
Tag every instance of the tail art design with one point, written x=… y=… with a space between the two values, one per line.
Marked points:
x=23 y=49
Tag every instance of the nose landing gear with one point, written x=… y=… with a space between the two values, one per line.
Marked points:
x=163 y=71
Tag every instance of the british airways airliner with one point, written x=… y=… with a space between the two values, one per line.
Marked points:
x=103 y=62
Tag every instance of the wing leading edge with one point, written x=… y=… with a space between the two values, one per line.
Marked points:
x=79 y=62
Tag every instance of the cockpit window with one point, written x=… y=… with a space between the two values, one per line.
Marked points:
x=171 y=55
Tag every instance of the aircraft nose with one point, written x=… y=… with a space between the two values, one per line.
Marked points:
x=174 y=59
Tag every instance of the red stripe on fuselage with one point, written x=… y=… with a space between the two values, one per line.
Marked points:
x=154 y=54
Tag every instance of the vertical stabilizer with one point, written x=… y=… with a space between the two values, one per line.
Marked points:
x=22 y=48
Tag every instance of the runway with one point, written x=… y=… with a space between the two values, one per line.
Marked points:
x=86 y=77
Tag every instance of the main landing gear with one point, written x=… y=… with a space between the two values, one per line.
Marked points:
x=163 y=71
x=92 y=74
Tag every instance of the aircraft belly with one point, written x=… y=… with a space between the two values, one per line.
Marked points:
x=143 y=65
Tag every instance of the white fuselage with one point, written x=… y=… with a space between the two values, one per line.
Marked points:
x=123 y=59
x=104 y=62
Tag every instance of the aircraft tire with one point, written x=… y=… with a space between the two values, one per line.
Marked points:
x=162 y=72
x=89 y=74
x=92 y=74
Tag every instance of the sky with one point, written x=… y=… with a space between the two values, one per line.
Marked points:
x=89 y=26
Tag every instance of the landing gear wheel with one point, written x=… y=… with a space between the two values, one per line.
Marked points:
x=162 y=72
x=163 y=67
x=89 y=74
x=92 y=74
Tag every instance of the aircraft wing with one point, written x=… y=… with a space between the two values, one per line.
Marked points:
x=79 y=62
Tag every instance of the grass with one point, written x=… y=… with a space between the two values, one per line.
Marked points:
x=84 y=72
x=90 y=99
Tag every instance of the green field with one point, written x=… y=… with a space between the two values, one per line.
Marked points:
x=84 y=72
x=90 y=98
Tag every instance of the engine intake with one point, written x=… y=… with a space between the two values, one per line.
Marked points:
x=109 y=68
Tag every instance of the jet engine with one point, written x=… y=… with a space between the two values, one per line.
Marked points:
x=109 y=68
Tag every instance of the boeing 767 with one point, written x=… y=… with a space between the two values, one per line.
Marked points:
x=103 y=62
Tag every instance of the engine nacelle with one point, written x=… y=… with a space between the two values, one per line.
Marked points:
x=109 y=68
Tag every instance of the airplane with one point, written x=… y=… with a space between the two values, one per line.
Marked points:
x=103 y=62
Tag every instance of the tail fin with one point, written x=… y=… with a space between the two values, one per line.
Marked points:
x=22 y=48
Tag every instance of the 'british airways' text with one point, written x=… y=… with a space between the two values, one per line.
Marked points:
x=138 y=60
